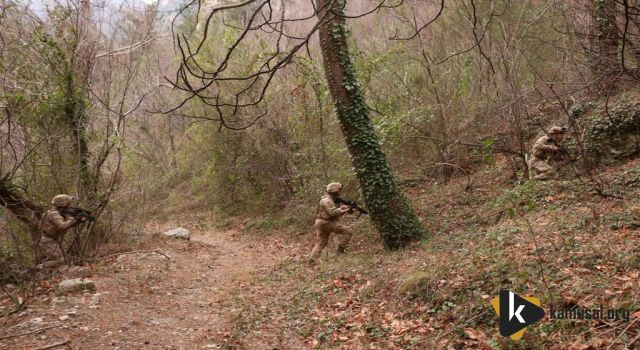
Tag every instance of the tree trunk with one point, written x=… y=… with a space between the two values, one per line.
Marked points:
x=76 y=90
x=84 y=45
x=390 y=212
x=75 y=115
x=24 y=209
x=3 y=5
x=604 y=55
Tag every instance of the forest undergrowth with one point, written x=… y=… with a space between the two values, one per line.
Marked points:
x=555 y=240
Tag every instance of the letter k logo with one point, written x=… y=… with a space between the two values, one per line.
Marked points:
x=512 y=305
x=522 y=312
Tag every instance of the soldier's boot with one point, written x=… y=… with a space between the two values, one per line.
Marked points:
x=340 y=250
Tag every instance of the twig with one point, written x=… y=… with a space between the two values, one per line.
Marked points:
x=133 y=252
x=54 y=345
x=499 y=212
x=623 y=332
x=18 y=301
x=463 y=324
x=30 y=332
x=540 y=261
x=633 y=340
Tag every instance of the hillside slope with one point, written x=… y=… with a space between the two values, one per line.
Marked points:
x=555 y=240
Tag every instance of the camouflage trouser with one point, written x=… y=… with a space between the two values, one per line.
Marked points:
x=540 y=169
x=49 y=251
x=325 y=228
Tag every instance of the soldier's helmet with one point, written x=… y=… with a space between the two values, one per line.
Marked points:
x=557 y=130
x=334 y=187
x=62 y=201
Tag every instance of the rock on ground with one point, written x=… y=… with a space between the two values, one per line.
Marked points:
x=75 y=285
x=179 y=232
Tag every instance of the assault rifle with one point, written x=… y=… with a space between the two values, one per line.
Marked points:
x=563 y=153
x=339 y=201
x=79 y=214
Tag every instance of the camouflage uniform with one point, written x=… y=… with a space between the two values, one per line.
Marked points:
x=53 y=226
x=327 y=221
x=543 y=149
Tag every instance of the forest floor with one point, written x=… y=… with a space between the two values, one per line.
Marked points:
x=168 y=294
x=247 y=286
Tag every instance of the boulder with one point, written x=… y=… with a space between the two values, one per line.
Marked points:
x=75 y=285
x=179 y=232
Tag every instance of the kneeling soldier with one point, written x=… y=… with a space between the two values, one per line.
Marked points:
x=53 y=225
x=545 y=148
x=327 y=220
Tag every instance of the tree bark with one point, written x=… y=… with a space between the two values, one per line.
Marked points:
x=77 y=81
x=604 y=55
x=76 y=120
x=390 y=211
x=23 y=208
x=75 y=108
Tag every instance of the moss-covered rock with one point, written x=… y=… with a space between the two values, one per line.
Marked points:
x=614 y=134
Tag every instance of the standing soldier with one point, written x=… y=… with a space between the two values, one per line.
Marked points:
x=327 y=220
x=545 y=148
x=53 y=225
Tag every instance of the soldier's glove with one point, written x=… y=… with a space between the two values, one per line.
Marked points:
x=343 y=207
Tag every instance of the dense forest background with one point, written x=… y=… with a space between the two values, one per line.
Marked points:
x=97 y=100
x=88 y=103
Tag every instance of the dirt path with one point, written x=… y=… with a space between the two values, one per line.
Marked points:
x=146 y=301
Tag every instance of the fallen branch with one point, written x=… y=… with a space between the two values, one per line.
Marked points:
x=132 y=252
x=623 y=332
x=54 y=345
x=633 y=341
x=463 y=324
x=30 y=332
x=607 y=195
x=498 y=214
x=19 y=302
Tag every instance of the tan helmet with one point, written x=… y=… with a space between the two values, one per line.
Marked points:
x=557 y=130
x=334 y=187
x=62 y=200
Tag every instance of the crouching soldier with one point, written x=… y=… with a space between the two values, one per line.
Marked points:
x=53 y=225
x=544 y=149
x=327 y=221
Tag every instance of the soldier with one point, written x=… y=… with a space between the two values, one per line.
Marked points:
x=327 y=221
x=545 y=148
x=53 y=225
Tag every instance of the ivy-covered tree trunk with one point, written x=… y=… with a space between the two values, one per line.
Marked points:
x=604 y=55
x=390 y=212
x=77 y=82
x=76 y=120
